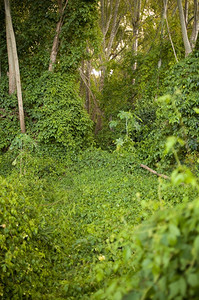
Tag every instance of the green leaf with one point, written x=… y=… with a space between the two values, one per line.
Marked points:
x=113 y=124
x=196 y=246
x=171 y=141
x=193 y=280
x=174 y=230
x=177 y=287
x=165 y=98
x=196 y=110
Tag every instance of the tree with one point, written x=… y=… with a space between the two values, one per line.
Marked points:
x=54 y=50
x=189 y=44
x=136 y=26
x=112 y=14
x=195 y=30
x=14 y=73
x=167 y=23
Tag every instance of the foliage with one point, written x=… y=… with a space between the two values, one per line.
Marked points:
x=175 y=114
x=29 y=248
x=167 y=248
x=91 y=224
x=9 y=123
x=135 y=90
x=80 y=215
x=79 y=32
x=57 y=113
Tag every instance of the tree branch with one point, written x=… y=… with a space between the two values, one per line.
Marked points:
x=154 y=172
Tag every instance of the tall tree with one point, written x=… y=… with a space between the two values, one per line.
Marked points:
x=55 y=45
x=14 y=76
x=195 y=30
x=111 y=18
x=11 y=73
x=136 y=27
x=167 y=23
x=186 y=41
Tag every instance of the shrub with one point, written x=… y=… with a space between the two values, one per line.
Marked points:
x=57 y=112
x=168 y=255
x=9 y=122
x=29 y=245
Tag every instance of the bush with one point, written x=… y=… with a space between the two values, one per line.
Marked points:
x=168 y=255
x=9 y=122
x=29 y=245
x=174 y=113
x=57 y=112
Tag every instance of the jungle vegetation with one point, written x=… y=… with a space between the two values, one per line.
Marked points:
x=99 y=149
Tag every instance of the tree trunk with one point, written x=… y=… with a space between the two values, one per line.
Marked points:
x=13 y=50
x=136 y=25
x=187 y=44
x=88 y=78
x=167 y=23
x=113 y=30
x=54 y=50
x=195 y=30
x=11 y=73
x=186 y=12
x=110 y=21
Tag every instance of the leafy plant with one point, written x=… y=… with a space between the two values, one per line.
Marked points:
x=58 y=115
x=128 y=125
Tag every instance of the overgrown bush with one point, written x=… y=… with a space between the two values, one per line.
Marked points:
x=9 y=121
x=175 y=113
x=167 y=249
x=57 y=112
x=31 y=242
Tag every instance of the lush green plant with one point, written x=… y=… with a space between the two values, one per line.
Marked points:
x=174 y=113
x=9 y=125
x=167 y=249
x=81 y=215
x=25 y=255
x=57 y=113
x=162 y=254
x=129 y=126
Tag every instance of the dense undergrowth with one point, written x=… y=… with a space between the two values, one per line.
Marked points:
x=78 y=222
x=84 y=223
x=68 y=229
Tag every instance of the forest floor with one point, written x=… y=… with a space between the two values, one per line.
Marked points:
x=89 y=207
x=103 y=196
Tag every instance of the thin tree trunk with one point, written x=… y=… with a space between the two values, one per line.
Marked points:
x=195 y=30
x=171 y=41
x=97 y=114
x=136 y=25
x=88 y=77
x=11 y=73
x=55 y=45
x=11 y=35
x=187 y=44
x=114 y=29
x=186 y=12
x=54 y=50
x=110 y=21
x=81 y=87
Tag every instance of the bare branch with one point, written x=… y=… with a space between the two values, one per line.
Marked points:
x=154 y=172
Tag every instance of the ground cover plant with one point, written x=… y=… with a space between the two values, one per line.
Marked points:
x=73 y=224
